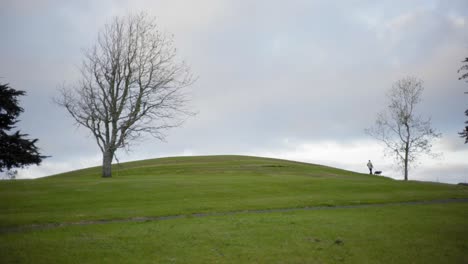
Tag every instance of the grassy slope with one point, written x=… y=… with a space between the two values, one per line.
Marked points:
x=392 y=234
x=397 y=234
x=185 y=185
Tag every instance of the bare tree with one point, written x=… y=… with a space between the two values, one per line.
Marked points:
x=130 y=84
x=405 y=134
x=464 y=133
x=464 y=68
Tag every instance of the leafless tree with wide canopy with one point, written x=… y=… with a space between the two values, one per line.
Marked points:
x=130 y=84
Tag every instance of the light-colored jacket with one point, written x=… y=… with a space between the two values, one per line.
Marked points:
x=369 y=165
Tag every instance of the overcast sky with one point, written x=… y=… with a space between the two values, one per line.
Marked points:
x=292 y=79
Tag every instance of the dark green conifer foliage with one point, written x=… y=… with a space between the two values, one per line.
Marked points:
x=16 y=150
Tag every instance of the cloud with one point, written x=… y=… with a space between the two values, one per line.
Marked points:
x=50 y=167
x=457 y=20
x=313 y=72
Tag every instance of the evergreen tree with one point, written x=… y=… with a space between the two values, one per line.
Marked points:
x=16 y=151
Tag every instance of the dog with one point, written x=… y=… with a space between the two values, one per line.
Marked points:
x=378 y=172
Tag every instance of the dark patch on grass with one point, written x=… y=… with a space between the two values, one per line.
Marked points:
x=339 y=242
x=274 y=166
x=313 y=240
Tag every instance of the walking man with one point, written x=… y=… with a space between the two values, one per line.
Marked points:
x=370 y=166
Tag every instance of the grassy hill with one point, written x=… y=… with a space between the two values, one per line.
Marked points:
x=221 y=206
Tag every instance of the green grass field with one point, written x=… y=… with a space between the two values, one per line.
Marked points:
x=78 y=217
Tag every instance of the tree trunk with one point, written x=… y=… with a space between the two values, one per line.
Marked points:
x=107 y=164
x=406 y=161
x=407 y=145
